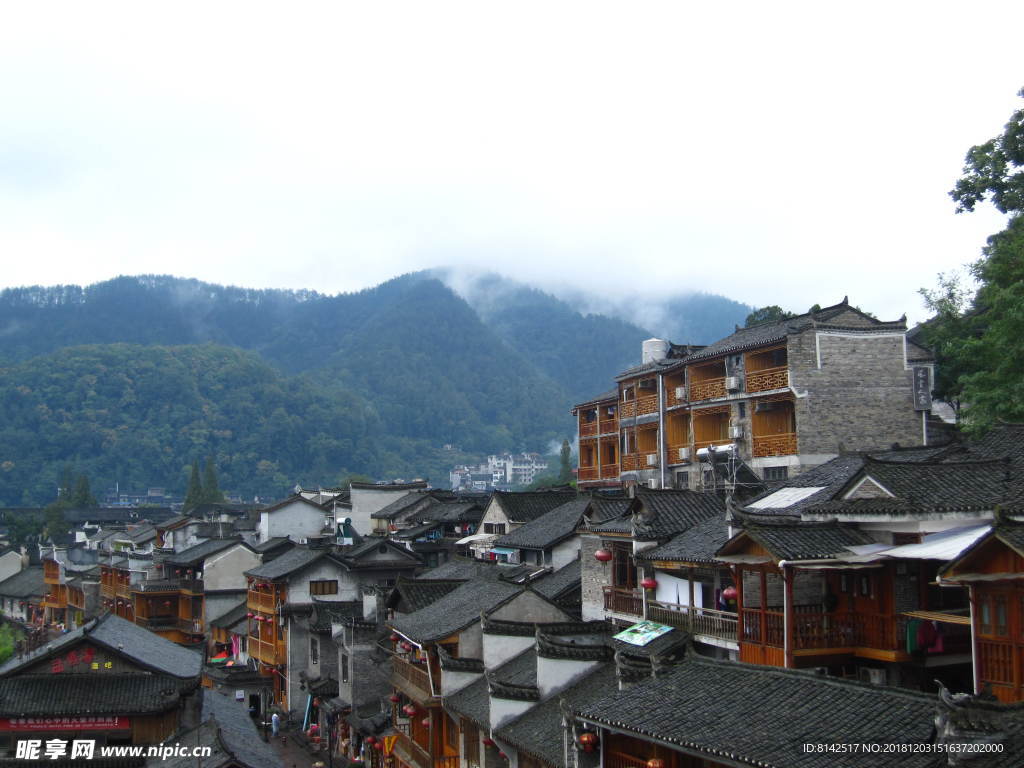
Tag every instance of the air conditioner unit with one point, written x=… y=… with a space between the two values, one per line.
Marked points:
x=732 y=383
x=680 y=393
x=652 y=459
x=736 y=432
x=871 y=675
x=684 y=454
x=653 y=484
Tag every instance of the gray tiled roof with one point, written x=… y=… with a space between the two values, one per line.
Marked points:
x=455 y=611
x=695 y=545
x=419 y=593
x=796 y=540
x=756 y=715
x=399 y=505
x=561 y=581
x=830 y=477
x=966 y=485
x=270 y=543
x=124 y=638
x=232 y=617
x=462 y=568
x=31 y=695
x=662 y=514
x=539 y=730
x=289 y=562
x=453 y=512
x=611 y=394
x=522 y=507
x=26 y=583
x=548 y=529
x=473 y=701
x=238 y=732
x=199 y=552
x=604 y=508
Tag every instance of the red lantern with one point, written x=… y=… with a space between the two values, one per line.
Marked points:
x=394 y=698
x=250 y=615
x=729 y=593
x=649 y=583
x=394 y=637
x=603 y=555
x=406 y=647
x=655 y=762
x=502 y=755
x=488 y=742
x=369 y=740
x=425 y=722
x=588 y=740
x=409 y=710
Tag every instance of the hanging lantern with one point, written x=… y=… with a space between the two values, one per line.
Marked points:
x=649 y=583
x=394 y=637
x=729 y=593
x=655 y=762
x=394 y=698
x=425 y=722
x=603 y=555
x=588 y=740
x=250 y=615
x=502 y=755
x=488 y=742
x=407 y=647
x=369 y=740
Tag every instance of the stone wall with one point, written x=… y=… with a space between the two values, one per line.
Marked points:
x=859 y=398
x=594 y=575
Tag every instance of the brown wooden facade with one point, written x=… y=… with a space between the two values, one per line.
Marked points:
x=267 y=640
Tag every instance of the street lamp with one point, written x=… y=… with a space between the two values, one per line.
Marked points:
x=265 y=713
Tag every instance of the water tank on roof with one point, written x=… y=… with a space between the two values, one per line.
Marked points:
x=653 y=350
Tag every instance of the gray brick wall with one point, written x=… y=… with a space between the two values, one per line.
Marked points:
x=594 y=575
x=861 y=396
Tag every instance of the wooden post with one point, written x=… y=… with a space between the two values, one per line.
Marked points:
x=790 y=623
x=689 y=610
x=764 y=605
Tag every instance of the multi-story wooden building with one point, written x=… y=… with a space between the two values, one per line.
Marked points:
x=778 y=397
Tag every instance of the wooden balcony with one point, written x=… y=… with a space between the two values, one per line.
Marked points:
x=616 y=759
x=106 y=590
x=411 y=753
x=707 y=389
x=770 y=633
x=670 y=396
x=1001 y=665
x=627 y=601
x=627 y=409
x=584 y=474
x=588 y=428
x=266 y=651
x=783 y=444
x=413 y=679
x=194 y=586
x=610 y=472
x=261 y=601
x=631 y=461
x=646 y=404
x=769 y=378
x=123 y=590
x=608 y=426
x=697 y=621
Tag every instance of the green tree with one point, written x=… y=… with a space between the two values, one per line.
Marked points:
x=81 y=497
x=565 y=464
x=979 y=343
x=771 y=314
x=211 y=493
x=54 y=521
x=194 y=494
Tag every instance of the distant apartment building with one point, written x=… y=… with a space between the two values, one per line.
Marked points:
x=499 y=472
x=770 y=401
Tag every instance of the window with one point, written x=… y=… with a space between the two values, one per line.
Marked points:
x=709 y=479
x=325 y=587
x=775 y=474
x=623 y=569
x=344 y=667
x=682 y=481
x=494 y=528
x=314 y=651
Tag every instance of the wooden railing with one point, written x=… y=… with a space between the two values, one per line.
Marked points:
x=586 y=473
x=673 y=452
x=696 y=621
x=995 y=661
x=619 y=600
x=609 y=471
x=265 y=651
x=769 y=378
x=450 y=761
x=670 y=395
x=588 y=428
x=751 y=630
x=261 y=601
x=647 y=404
x=707 y=389
x=169 y=585
x=631 y=461
x=415 y=754
x=415 y=674
x=627 y=409
x=783 y=444
x=608 y=426
x=615 y=759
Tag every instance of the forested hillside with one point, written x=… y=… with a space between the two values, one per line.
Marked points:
x=132 y=379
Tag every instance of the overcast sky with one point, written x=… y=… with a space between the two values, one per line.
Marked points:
x=777 y=153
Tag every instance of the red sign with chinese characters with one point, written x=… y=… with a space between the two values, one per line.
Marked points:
x=70 y=723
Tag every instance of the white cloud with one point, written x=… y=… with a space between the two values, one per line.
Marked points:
x=775 y=153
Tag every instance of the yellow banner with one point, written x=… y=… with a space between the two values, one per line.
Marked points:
x=389 y=743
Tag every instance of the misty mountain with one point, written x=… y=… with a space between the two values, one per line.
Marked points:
x=133 y=378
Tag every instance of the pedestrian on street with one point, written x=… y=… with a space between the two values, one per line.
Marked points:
x=275 y=723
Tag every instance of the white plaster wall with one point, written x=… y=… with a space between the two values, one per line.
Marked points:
x=10 y=564
x=500 y=648
x=554 y=675
x=297 y=520
x=366 y=501
x=226 y=569
x=298 y=584
x=565 y=552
